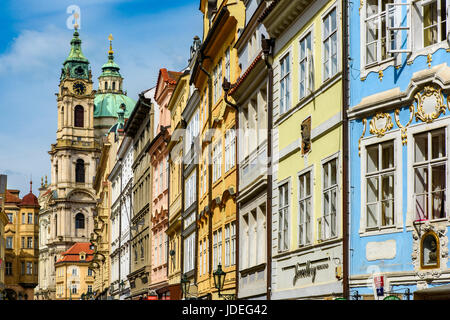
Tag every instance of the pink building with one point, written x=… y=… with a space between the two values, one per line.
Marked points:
x=159 y=193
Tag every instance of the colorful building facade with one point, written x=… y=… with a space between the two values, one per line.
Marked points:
x=399 y=129
x=307 y=149
x=217 y=60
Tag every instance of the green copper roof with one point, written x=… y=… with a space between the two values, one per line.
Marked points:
x=108 y=105
x=76 y=55
x=120 y=124
x=110 y=69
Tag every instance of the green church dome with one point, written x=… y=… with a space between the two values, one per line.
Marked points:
x=108 y=105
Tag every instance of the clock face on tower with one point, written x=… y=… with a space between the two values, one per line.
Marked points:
x=79 y=88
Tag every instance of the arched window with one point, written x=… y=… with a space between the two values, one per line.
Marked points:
x=79 y=221
x=114 y=85
x=79 y=171
x=79 y=116
x=430 y=251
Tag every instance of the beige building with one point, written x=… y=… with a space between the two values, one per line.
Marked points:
x=21 y=240
x=140 y=127
x=74 y=278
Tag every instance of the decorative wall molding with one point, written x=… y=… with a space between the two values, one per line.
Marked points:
x=404 y=128
x=430 y=104
x=364 y=121
x=380 y=124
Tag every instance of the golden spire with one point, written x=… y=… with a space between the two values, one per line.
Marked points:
x=110 y=38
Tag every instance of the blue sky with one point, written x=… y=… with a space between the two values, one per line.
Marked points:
x=34 y=42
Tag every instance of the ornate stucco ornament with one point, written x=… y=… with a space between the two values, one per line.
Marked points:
x=403 y=128
x=380 y=124
x=429 y=59
x=364 y=121
x=430 y=104
x=380 y=75
x=440 y=231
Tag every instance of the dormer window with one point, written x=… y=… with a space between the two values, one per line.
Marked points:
x=82 y=256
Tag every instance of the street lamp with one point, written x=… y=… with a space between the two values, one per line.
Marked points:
x=219 y=281
x=185 y=285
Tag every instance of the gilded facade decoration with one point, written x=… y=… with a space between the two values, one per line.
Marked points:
x=380 y=124
x=404 y=128
x=430 y=104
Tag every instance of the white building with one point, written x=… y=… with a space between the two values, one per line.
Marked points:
x=121 y=178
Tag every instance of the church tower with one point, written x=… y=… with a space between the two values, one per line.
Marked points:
x=74 y=158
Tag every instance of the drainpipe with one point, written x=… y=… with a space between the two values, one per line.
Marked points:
x=267 y=47
x=345 y=147
x=120 y=225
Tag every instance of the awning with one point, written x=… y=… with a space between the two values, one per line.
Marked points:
x=435 y=293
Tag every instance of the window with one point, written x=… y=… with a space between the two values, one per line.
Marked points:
x=189 y=252
x=330 y=56
x=380 y=184
x=430 y=158
x=10 y=217
x=79 y=171
x=8 y=268
x=306 y=66
x=217 y=161
x=23 y=218
x=227 y=245
x=217 y=78
x=9 y=242
x=23 y=242
x=434 y=21
x=219 y=246
x=230 y=149
x=79 y=221
x=327 y=223
x=74 y=271
x=285 y=84
x=190 y=190
x=74 y=288
x=30 y=218
x=79 y=116
x=22 y=268
x=200 y=245
x=215 y=250
x=29 y=267
x=283 y=213
x=233 y=243
x=305 y=209
x=89 y=288
x=29 y=242
x=161 y=177
x=89 y=272
x=205 y=255
x=227 y=65
x=204 y=175
x=375 y=31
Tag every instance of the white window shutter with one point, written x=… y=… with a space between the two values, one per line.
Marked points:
x=310 y=70
x=398 y=23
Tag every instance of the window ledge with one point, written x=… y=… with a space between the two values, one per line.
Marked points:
x=378 y=231
x=376 y=67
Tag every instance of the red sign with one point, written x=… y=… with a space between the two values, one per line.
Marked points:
x=379 y=285
x=152 y=298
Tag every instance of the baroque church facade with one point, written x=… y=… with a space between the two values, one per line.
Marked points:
x=85 y=115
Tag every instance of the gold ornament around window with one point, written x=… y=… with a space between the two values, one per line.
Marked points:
x=364 y=121
x=403 y=128
x=430 y=104
x=380 y=124
x=429 y=251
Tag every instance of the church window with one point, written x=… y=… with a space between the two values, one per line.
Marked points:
x=114 y=85
x=79 y=221
x=79 y=116
x=79 y=171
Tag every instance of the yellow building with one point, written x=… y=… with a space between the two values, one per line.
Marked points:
x=74 y=278
x=175 y=149
x=22 y=250
x=217 y=59
x=307 y=148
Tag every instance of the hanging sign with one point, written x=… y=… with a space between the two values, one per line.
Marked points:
x=379 y=285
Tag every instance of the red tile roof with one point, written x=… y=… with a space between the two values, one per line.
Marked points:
x=170 y=77
x=12 y=196
x=244 y=76
x=30 y=200
x=73 y=254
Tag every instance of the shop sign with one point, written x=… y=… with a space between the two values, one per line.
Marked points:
x=308 y=271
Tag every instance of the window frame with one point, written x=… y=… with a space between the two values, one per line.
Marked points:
x=308 y=59
x=288 y=184
x=395 y=137
x=324 y=39
x=285 y=106
x=300 y=243
x=337 y=186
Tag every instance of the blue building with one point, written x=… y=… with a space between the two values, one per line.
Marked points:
x=399 y=122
